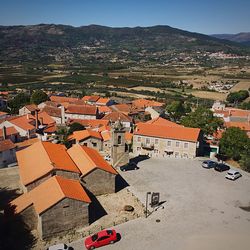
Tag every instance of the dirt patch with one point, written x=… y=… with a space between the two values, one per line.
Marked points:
x=113 y=204
x=210 y=95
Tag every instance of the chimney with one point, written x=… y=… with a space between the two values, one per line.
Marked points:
x=41 y=120
x=36 y=116
x=62 y=115
x=4 y=133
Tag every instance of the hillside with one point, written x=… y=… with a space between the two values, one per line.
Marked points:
x=48 y=43
x=243 y=37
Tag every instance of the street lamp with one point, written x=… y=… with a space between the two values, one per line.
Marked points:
x=147 y=194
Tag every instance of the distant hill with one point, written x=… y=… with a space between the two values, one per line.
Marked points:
x=47 y=43
x=243 y=37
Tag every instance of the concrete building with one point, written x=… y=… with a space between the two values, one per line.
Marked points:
x=167 y=141
x=7 y=153
x=55 y=206
x=47 y=160
x=28 y=109
x=96 y=174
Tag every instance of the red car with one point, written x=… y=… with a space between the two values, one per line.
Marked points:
x=101 y=238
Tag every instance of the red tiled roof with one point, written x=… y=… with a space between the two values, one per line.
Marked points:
x=104 y=109
x=128 y=137
x=91 y=98
x=23 y=122
x=81 y=109
x=49 y=193
x=84 y=134
x=31 y=107
x=146 y=103
x=3 y=113
x=242 y=125
x=61 y=99
x=177 y=133
x=6 y=145
x=52 y=111
x=90 y=123
x=116 y=116
x=9 y=131
x=41 y=158
x=163 y=122
x=88 y=159
x=102 y=101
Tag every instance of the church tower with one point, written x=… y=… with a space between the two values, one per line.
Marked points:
x=119 y=149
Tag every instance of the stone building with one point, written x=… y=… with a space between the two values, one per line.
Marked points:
x=28 y=109
x=96 y=174
x=57 y=205
x=81 y=112
x=119 y=148
x=47 y=160
x=167 y=141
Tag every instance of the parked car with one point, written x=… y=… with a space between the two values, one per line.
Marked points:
x=221 y=167
x=233 y=174
x=60 y=247
x=107 y=158
x=101 y=238
x=209 y=164
x=129 y=166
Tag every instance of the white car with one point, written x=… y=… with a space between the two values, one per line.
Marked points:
x=60 y=247
x=233 y=174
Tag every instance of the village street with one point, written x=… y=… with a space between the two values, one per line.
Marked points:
x=201 y=208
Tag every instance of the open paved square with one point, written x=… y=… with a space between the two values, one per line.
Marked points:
x=201 y=208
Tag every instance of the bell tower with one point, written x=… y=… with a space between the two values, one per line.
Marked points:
x=119 y=149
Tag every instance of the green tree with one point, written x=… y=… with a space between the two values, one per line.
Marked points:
x=75 y=127
x=38 y=96
x=234 y=143
x=202 y=118
x=18 y=101
x=245 y=105
x=238 y=96
x=245 y=161
x=176 y=110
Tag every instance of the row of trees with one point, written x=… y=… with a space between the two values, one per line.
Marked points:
x=239 y=96
x=22 y=99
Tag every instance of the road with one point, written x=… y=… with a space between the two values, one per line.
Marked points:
x=201 y=209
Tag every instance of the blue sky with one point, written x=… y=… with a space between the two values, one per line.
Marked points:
x=204 y=16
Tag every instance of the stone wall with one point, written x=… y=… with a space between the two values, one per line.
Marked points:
x=37 y=182
x=66 y=215
x=68 y=175
x=99 y=182
x=30 y=217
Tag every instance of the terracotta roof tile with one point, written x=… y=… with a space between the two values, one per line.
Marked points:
x=163 y=122
x=31 y=107
x=49 y=193
x=128 y=137
x=6 y=145
x=52 y=111
x=9 y=131
x=61 y=99
x=81 y=109
x=116 y=116
x=90 y=123
x=42 y=157
x=84 y=134
x=106 y=135
x=242 y=125
x=177 y=133
x=102 y=101
x=88 y=159
x=146 y=103
x=23 y=122
x=3 y=113
x=104 y=109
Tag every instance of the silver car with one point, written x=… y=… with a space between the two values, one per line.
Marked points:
x=233 y=174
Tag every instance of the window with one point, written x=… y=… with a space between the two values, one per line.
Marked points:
x=94 y=144
x=85 y=144
x=176 y=154
x=156 y=151
x=65 y=206
x=177 y=144
x=139 y=139
x=186 y=145
x=156 y=141
x=169 y=143
x=185 y=156
x=147 y=140
x=138 y=149
x=119 y=139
